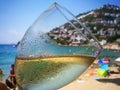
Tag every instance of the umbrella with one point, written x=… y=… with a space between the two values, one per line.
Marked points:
x=117 y=60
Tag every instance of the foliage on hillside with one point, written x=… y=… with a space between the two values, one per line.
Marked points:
x=103 y=22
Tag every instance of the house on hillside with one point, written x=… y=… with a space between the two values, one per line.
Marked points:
x=111 y=31
x=102 y=32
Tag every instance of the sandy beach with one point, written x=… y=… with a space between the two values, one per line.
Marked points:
x=90 y=81
x=112 y=46
x=94 y=82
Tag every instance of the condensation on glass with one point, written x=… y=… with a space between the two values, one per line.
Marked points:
x=42 y=63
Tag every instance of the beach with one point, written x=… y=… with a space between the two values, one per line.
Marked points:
x=89 y=81
x=94 y=82
x=112 y=46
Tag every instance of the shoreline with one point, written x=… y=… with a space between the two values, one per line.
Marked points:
x=111 y=46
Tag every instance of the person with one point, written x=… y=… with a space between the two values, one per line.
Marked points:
x=96 y=52
x=3 y=86
x=106 y=60
x=1 y=74
x=11 y=80
x=119 y=69
x=12 y=73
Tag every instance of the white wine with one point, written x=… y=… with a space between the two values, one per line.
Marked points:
x=50 y=73
x=50 y=66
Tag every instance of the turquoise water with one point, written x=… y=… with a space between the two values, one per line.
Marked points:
x=8 y=53
x=7 y=57
x=38 y=46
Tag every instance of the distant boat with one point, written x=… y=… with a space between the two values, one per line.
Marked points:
x=13 y=45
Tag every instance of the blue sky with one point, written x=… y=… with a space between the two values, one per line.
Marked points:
x=17 y=15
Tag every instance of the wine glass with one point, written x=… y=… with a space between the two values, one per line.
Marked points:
x=54 y=51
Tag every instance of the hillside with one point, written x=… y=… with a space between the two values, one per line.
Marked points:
x=103 y=22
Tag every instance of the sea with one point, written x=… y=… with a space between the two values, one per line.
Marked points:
x=8 y=55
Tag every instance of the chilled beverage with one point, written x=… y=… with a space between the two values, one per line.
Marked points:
x=50 y=73
x=42 y=60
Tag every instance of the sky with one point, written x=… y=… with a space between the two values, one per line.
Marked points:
x=16 y=16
